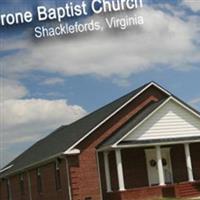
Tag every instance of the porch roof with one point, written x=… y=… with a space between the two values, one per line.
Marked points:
x=161 y=141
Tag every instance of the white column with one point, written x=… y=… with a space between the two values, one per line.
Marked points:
x=107 y=171
x=119 y=169
x=160 y=166
x=188 y=162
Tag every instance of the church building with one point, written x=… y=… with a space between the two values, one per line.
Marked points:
x=144 y=145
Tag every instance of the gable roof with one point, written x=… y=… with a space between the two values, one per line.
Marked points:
x=133 y=122
x=67 y=137
x=140 y=118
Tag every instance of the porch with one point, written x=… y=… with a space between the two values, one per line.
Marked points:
x=148 y=171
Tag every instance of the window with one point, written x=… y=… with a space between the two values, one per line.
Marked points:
x=57 y=176
x=39 y=181
x=21 y=181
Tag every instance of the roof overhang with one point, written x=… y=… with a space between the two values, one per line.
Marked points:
x=72 y=152
x=160 y=141
x=28 y=167
x=165 y=142
x=5 y=169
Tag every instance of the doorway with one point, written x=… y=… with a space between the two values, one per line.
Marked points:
x=153 y=169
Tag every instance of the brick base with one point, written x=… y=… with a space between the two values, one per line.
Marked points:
x=156 y=192
x=136 y=194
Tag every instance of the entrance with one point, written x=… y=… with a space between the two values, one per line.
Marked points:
x=153 y=169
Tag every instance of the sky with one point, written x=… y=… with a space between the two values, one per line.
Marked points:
x=46 y=84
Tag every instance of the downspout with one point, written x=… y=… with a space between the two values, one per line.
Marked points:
x=68 y=178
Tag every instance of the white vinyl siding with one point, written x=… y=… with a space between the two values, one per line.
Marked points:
x=170 y=121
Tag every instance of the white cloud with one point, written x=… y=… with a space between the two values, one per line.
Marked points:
x=26 y=120
x=11 y=89
x=195 y=101
x=193 y=4
x=163 y=40
x=53 y=81
x=121 y=82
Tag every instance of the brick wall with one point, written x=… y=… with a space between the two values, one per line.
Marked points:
x=3 y=190
x=49 y=191
x=48 y=184
x=15 y=188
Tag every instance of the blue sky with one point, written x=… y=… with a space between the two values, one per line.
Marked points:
x=49 y=83
x=91 y=92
